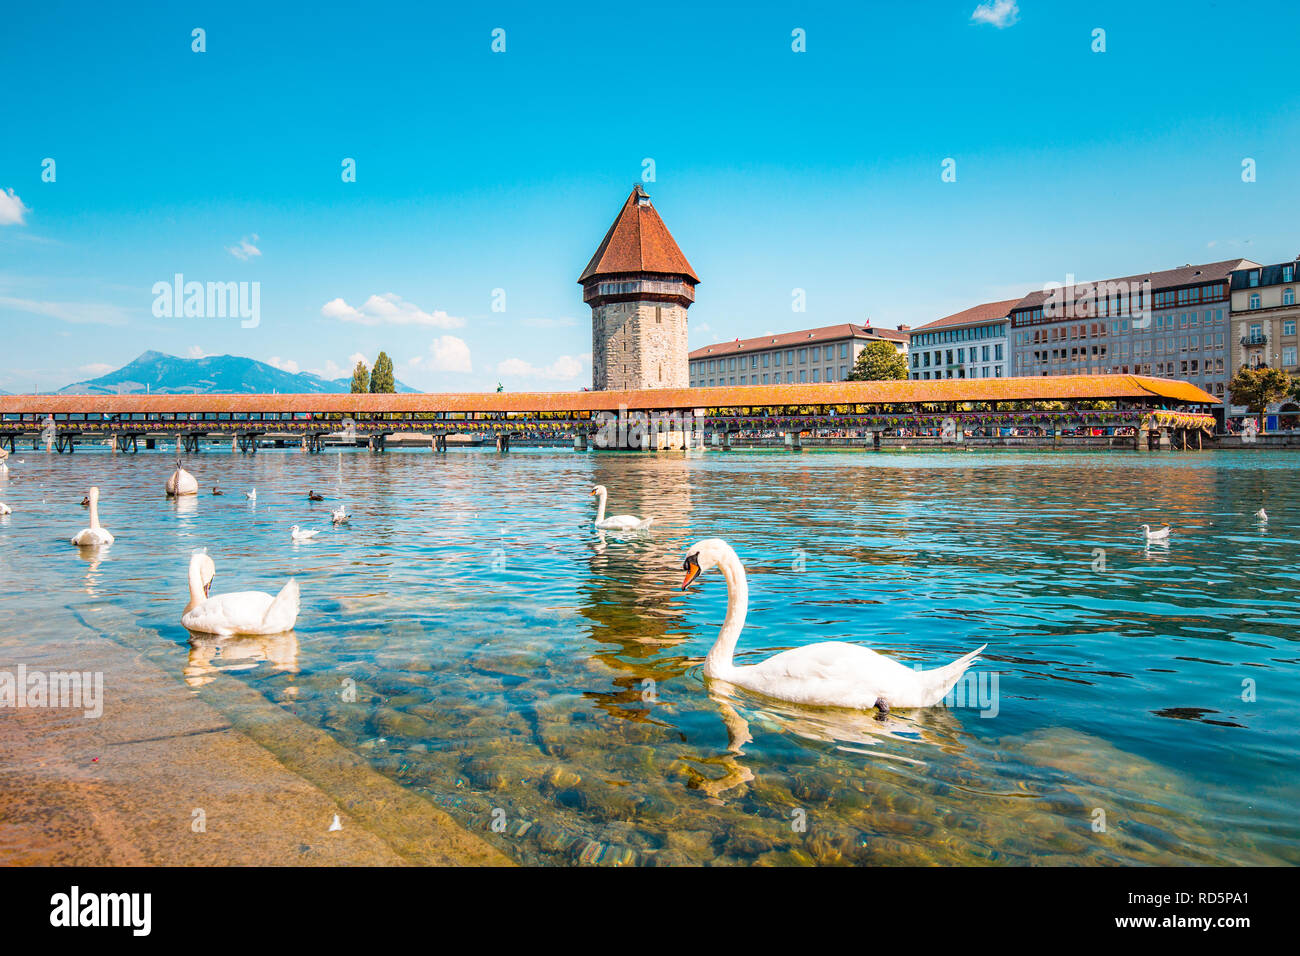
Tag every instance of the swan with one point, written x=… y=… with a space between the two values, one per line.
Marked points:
x=616 y=522
x=829 y=674
x=1261 y=514
x=94 y=535
x=299 y=535
x=1161 y=535
x=5 y=509
x=244 y=612
x=181 y=482
x=251 y=495
x=339 y=515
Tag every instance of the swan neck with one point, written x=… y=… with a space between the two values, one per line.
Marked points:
x=196 y=586
x=600 y=506
x=724 y=649
x=94 y=512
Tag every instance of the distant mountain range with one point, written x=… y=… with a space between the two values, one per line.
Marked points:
x=161 y=374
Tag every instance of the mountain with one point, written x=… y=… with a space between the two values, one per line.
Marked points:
x=163 y=374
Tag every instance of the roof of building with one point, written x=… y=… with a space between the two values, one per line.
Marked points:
x=1166 y=279
x=1268 y=275
x=976 y=315
x=1045 y=388
x=827 y=333
x=638 y=241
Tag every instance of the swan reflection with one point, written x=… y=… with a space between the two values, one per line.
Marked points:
x=211 y=654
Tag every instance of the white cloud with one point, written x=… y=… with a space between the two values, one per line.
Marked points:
x=195 y=352
x=245 y=250
x=284 y=365
x=448 y=354
x=563 y=369
x=77 y=313
x=998 y=13
x=389 y=309
x=97 y=369
x=12 y=209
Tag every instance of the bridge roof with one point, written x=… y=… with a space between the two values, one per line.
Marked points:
x=1048 y=388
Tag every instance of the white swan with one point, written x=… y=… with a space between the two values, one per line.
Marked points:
x=1161 y=535
x=95 y=535
x=299 y=534
x=244 y=612
x=181 y=482
x=251 y=495
x=339 y=515
x=829 y=674
x=5 y=509
x=616 y=522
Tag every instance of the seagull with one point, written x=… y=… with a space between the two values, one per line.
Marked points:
x=5 y=509
x=1161 y=535
x=335 y=825
x=217 y=491
x=251 y=495
x=339 y=515
x=300 y=535
x=312 y=496
x=1261 y=514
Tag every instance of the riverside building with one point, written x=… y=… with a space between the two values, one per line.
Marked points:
x=807 y=356
x=1264 y=316
x=1170 y=324
x=967 y=344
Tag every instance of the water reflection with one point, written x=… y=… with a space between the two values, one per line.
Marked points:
x=211 y=654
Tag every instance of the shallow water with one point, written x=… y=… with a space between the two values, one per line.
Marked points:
x=474 y=639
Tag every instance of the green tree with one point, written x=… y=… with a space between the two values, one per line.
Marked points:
x=879 y=361
x=1257 y=388
x=381 y=377
x=360 y=378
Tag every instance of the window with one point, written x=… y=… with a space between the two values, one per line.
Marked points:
x=1254 y=277
x=1288 y=296
x=844 y=373
x=767 y=356
x=789 y=358
x=1288 y=327
x=731 y=366
x=817 y=375
x=803 y=375
x=803 y=356
x=1288 y=356
x=776 y=359
x=844 y=350
x=829 y=352
x=1254 y=300
x=1288 y=273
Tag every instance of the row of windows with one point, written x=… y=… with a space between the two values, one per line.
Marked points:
x=967 y=334
x=1288 y=275
x=1160 y=323
x=774 y=378
x=1288 y=298
x=984 y=372
x=824 y=353
x=983 y=353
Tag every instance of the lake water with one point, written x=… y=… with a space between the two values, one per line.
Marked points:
x=475 y=640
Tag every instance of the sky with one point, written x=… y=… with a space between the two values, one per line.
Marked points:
x=485 y=179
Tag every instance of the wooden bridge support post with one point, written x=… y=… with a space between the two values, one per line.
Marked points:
x=503 y=441
x=794 y=441
x=580 y=441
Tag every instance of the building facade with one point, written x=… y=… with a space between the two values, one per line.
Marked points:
x=1170 y=324
x=1264 y=317
x=639 y=286
x=968 y=344
x=826 y=354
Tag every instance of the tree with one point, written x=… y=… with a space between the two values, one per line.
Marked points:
x=879 y=361
x=1257 y=388
x=381 y=377
x=360 y=378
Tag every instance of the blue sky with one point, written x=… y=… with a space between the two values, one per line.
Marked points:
x=480 y=171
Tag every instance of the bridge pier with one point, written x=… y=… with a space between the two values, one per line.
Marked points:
x=875 y=440
x=64 y=442
x=440 y=442
x=503 y=441
x=580 y=441
x=125 y=441
x=190 y=442
x=247 y=442
x=1142 y=438
x=794 y=441
x=376 y=443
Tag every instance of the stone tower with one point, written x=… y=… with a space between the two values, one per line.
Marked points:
x=639 y=286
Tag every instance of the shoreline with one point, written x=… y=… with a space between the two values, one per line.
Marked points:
x=165 y=778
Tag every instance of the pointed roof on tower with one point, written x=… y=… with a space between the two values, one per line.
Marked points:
x=638 y=241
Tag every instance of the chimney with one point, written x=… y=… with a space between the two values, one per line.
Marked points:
x=904 y=327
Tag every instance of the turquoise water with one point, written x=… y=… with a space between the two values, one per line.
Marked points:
x=475 y=640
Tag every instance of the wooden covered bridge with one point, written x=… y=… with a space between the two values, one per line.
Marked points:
x=950 y=410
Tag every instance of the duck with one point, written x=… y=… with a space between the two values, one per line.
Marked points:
x=85 y=501
x=299 y=534
x=312 y=496
x=243 y=612
x=251 y=495
x=95 y=535
x=827 y=674
x=181 y=482
x=339 y=515
x=616 y=522
x=1161 y=535
x=217 y=491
